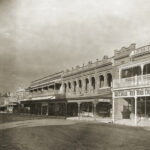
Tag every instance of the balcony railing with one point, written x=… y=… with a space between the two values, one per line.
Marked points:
x=140 y=50
x=91 y=92
x=42 y=94
x=135 y=81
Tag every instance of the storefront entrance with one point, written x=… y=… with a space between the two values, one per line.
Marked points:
x=103 y=109
x=72 y=109
x=86 y=109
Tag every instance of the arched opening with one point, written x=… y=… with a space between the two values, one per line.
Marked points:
x=69 y=86
x=86 y=84
x=65 y=87
x=93 y=83
x=146 y=69
x=101 y=78
x=109 y=79
x=74 y=86
x=80 y=86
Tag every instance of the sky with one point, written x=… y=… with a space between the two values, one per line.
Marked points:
x=41 y=37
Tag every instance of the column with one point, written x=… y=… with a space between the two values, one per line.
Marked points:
x=72 y=87
x=66 y=87
x=97 y=82
x=105 y=80
x=47 y=109
x=54 y=87
x=113 y=107
x=78 y=109
x=145 y=107
x=94 y=108
x=77 y=86
x=41 y=109
x=142 y=67
x=135 y=117
x=90 y=84
x=65 y=109
x=83 y=85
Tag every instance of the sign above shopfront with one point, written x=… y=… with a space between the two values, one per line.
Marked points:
x=132 y=92
x=103 y=100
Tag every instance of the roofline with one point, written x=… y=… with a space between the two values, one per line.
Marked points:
x=47 y=76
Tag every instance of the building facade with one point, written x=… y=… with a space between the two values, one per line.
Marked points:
x=88 y=89
x=131 y=88
x=117 y=87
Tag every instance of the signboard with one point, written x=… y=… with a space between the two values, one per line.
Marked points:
x=132 y=92
x=103 y=100
x=124 y=93
x=43 y=98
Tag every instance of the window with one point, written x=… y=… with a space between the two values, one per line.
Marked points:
x=146 y=69
x=101 y=78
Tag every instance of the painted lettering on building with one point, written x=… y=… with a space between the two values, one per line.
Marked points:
x=132 y=92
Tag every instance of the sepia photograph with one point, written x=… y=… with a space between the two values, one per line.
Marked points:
x=74 y=75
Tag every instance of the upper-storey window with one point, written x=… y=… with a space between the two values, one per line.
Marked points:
x=80 y=84
x=101 y=78
x=131 y=72
x=109 y=79
x=93 y=82
x=69 y=85
x=65 y=87
x=146 y=69
x=86 y=84
x=57 y=86
x=75 y=84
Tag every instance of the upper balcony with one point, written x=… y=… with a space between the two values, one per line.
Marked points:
x=89 y=93
x=136 y=81
x=140 y=51
x=43 y=95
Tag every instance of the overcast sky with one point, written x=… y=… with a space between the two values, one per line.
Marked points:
x=40 y=37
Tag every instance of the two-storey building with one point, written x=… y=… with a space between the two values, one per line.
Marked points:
x=45 y=96
x=131 y=85
x=118 y=86
x=88 y=89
